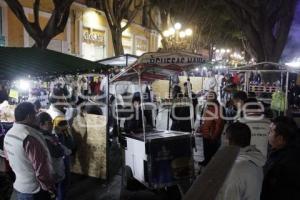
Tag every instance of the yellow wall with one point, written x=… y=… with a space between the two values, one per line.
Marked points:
x=77 y=14
x=45 y=5
x=15 y=37
x=43 y=23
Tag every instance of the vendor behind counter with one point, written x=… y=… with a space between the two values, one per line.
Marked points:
x=134 y=121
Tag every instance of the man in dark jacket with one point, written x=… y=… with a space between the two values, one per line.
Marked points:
x=281 y=171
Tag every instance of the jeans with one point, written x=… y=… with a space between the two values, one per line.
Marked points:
x=61 y=190
x=41 y=195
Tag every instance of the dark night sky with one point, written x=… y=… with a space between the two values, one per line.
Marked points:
x=292 y=48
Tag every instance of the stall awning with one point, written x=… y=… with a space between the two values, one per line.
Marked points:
x=121 y=61
x=267 y=67
x=16 y=62
x=160 y=65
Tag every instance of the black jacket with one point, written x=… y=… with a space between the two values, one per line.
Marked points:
x=135 y=124
x=183 y=125
x=282 y=175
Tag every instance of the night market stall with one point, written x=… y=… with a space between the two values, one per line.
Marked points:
x=281 y=94
x=30 y=74
x=152 y=156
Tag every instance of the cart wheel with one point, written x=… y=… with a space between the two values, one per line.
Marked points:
x=128 y=180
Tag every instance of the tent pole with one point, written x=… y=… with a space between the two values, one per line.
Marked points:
x=286 y=93
x=142 y=104
x=107 y=131
x=168 y=120
x=246 y=83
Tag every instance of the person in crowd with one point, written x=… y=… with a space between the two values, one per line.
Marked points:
x=62 y=131
x=210 y=82
x=281 y=172
x=57 y=152
x=245 y=178
x=37 y=106
x=259 y=125
x=211 y=127
x=58 y=103
x=183 y=111
x=3 y=94
x=186 y=93
x=134 y=123
x=239 y=98
x=176 y=112
x=234 y=106
x=28 y=156
x=62 y=117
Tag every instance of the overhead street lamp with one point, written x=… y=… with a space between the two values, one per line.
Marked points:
x=177 y=39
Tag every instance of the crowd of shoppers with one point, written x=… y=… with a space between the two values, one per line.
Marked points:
x=39 y=145
x=38 y=148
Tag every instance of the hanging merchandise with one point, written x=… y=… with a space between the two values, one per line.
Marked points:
x=278 y=101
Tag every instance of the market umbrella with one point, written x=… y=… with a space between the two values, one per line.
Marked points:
x=20 y=62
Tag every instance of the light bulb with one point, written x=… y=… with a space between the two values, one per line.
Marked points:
x=166 y=33
x=182 y=34
x=177 y=26
x=172 y=31
x=188 y=32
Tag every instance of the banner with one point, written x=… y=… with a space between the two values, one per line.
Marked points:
x=177 y=58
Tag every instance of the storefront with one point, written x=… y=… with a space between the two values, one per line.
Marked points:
x=141 y=45
x=93 y=36
x=93 y=44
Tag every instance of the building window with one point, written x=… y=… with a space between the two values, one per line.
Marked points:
x=141 y=45
x=127 y=44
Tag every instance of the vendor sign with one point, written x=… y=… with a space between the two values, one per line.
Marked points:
x=180 y=58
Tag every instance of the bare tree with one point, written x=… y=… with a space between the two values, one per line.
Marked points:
x=116 y=11
x=265 y=23
x=55 y=25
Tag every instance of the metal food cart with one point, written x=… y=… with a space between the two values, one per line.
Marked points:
x=158 y=158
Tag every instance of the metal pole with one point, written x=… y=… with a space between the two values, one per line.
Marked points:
x=107 y=131
x=281 y=81
x=142 y=105
x=117 y=107
x=168 y=120
x=245 y=82
x=286 y=93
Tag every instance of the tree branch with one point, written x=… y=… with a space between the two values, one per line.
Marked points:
x=132 y=16
x=36 y=9
x=246 y=7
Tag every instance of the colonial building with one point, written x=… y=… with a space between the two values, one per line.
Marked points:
x=87 y=33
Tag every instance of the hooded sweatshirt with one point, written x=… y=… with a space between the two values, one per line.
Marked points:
x=245 y=179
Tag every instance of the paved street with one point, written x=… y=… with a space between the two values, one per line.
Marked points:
x=87 y=188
